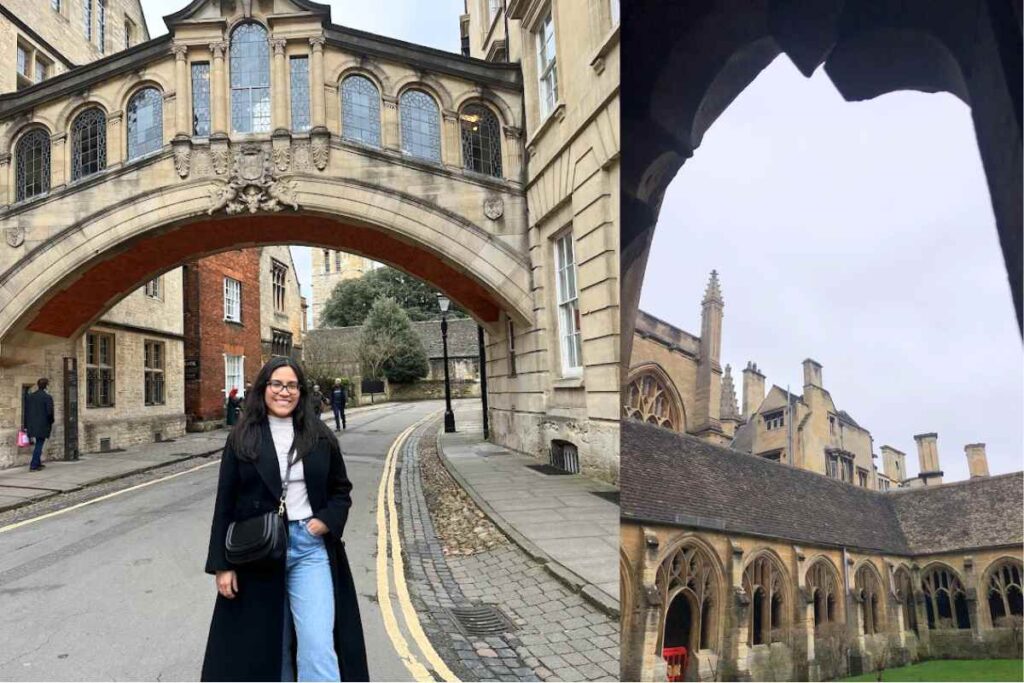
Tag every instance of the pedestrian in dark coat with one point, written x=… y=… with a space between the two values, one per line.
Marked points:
x=38 y=421
x=338 y=401
x=253 y=625
x=232 y=408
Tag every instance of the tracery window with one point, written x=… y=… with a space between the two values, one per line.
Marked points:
x=250 y=79
x=32 y=164
x=481 y=140
x=945 y=599
x=421 y=125
x=88 y=143
x=764 y=581
x=691 y=615
x=649 y=400
x=905 y=596
x=824 y=588
x=869 y=592
x=1004 y=592
x=145 y=122
x=360 y=110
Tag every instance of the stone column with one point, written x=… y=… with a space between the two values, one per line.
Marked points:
x=451 y=149
x=318 y=117
x=218 y=94
x=513 y=154
x=115 y=150
x=7 y=194
x=390 y=137
x=58 y=160
x=971 y=587
x=181 y=87
x=279 y=87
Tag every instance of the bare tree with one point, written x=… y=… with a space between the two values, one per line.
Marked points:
x=832 y=645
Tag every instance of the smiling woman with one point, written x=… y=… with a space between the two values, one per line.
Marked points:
x=281 y=462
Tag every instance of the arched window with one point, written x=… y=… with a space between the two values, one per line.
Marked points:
x=905 y=596
x=764 y=580
x=421 y=125
x=360 y=110
x=824 y=589
x=145 y=122
x=481 y=140
x=869 y=593
x=1004 y=592
x=250 y=79
x=88 y=143
x=649 y=400
x=689 y=586
x=32 y=164
x=944 y=599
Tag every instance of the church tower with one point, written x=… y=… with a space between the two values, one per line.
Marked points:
x=330 y=267
x=709 y=370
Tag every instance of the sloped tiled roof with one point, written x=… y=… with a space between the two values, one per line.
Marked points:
x=678 y=479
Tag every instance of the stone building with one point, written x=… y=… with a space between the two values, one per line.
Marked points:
x=764 y=571
x=282 y=313
x=329 y=268
x=564 y=368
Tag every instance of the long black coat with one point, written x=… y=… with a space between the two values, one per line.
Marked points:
x=246 y=633
x=39 y=414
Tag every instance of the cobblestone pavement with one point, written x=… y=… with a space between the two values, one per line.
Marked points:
x=548 y=633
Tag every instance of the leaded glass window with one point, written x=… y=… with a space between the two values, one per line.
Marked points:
x=145 y=122
x=88 y=143
x=250 y=79
x=201 y=98
x=421 y=125
x=360 y=110
x=32 y=164
x=481 y=140
x=300 y=93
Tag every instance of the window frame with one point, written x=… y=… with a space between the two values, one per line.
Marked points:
x=95 y=371
x=254 y=125
x=485 y=139
x=153 y=289
x=148 y=92
x=45 y=163
x=228 y=359
x=154 y=373
x=279 y=289
x=101 y=26
x=567 y=307
x=298 y=90
x=78 y=168
x=232 y=304
x=413 y=131
x=510 y=334
x=370 y=136
x=547 y=70
x=201 y=96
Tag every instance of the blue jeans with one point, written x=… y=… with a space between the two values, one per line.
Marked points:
x=339 y=416
x=310 y=606
x=37 y=453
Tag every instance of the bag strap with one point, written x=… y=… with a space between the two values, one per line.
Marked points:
x=287 y=478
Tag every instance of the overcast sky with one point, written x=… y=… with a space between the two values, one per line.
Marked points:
x=860 y=235
x=434 y=23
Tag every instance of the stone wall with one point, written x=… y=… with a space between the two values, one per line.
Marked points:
x=290 y=318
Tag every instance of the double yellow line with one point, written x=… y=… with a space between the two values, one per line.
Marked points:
x=387 y=531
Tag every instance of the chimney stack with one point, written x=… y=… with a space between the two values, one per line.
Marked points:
x=977 y=461
x=894 y=464
x=812 y=373
x=928 y=458
x=753 y=390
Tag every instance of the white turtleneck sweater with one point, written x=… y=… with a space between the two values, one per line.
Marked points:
x=297 y=501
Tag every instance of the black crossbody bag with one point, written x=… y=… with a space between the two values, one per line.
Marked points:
x=262 y=539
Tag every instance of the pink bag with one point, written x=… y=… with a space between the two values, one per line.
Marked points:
x=23 y=439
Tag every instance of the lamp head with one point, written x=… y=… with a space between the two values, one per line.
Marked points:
x=443 y=302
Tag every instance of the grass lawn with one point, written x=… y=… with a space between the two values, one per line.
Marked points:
x=953 y=670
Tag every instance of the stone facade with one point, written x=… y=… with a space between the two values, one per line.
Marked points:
x=210 y=338
x=281 y=317
x=57 y=39
x=572 y=181
x=765 y=571
x=329 y=268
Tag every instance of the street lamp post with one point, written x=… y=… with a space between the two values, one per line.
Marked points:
x=449 y=417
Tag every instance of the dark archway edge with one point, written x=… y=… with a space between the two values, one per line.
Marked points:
x=687 y=61
x=84 y=296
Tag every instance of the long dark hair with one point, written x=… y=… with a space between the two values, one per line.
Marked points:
x=246 y=436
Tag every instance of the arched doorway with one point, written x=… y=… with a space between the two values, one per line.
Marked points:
x=680 y=628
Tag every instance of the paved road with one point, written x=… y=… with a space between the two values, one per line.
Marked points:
x=116 y=591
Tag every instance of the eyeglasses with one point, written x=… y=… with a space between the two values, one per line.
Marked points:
x=277 y=387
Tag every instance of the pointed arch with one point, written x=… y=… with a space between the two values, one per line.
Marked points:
x=691 y=581
x=766 y=581
x=906 y=596
x=945 y=598
x=1001 y=583
x=652 y=397
x=825 y=589
x=868 y=592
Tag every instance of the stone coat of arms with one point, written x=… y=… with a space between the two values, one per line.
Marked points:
x=253 y=185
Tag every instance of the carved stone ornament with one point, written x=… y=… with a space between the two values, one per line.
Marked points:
x=253 y=186
x=282 y=158
x=221 y=158
x=319 y=149
x=15 y=236
x=182 y=159
x=494 y=208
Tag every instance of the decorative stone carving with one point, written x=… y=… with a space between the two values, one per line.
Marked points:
x=182 y=157
x=253 y=185
x=15 y=236
x=221 y=158
x=301 y=156
x=494 y=208
x=319 y=150
x=282 y=158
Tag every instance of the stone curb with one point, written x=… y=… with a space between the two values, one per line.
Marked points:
x=576 y=583
x=7 y=507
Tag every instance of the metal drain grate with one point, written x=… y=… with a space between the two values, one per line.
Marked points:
x=547 y=469
x=480 y=620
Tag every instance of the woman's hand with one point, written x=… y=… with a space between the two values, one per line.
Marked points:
x=316 y=527
x=227 y=583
